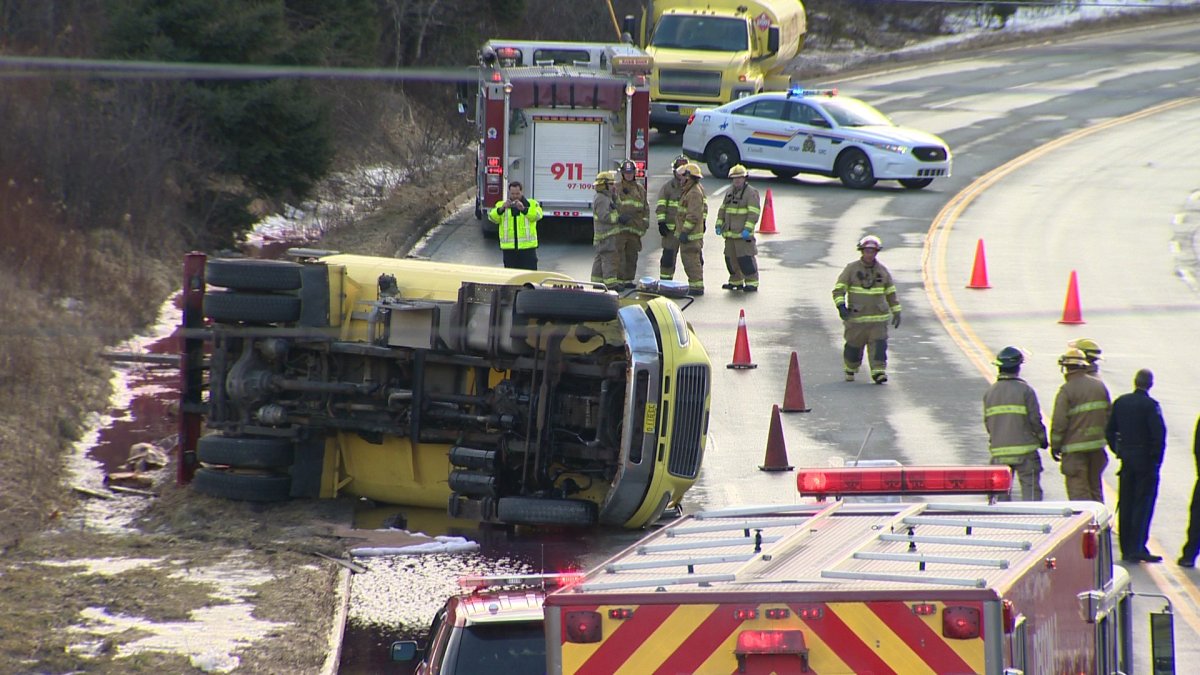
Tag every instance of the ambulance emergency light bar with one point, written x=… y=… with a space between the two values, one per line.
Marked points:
x=899 y=480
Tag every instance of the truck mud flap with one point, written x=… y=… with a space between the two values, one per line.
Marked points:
x=535 y=511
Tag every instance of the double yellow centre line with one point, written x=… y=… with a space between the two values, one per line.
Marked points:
x=1171 y=581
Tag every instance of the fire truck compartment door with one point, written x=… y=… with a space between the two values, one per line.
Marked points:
x=566 y=161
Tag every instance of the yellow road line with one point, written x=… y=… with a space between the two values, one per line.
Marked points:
x=1173 y=583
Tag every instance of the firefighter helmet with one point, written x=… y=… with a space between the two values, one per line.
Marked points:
x=870 y=241
x=1009 y=357
x=605 y=178
x=692 y=169
x=1088 y=346
x=737 y=171
x=681 y=160
x=628 y=166
x=1073 y=359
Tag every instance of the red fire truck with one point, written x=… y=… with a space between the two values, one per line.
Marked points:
x=840 y=587
x=554 y=114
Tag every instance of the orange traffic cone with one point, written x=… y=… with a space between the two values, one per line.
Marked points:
x=979 y=271
x=793 y=396
x=741 y=346
x=1071 y=311
x=776 y=459
x=767 y=224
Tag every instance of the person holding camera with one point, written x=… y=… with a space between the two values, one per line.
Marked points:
x=517 y=219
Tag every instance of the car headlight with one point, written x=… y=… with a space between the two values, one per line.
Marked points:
x=892 y=147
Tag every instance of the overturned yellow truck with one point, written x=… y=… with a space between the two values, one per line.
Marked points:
x=506 y=396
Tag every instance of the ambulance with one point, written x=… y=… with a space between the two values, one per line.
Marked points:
x=833 y=586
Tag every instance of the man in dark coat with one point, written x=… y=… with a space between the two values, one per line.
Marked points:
x=1136 y=432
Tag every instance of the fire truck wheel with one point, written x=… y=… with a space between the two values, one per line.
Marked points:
x=251 y=307
x=566 y=305
x=247 y=453
x=247 y=487
x=721 y=155
x=250 y=274
x=915 y=183
x=536 y=511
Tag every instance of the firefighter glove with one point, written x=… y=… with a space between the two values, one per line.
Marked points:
x=746 y=234
x=624 y=218
x=1056 y=454
x=896 y=320
x=662 y=228
x=1044 y=445
x=843 y=311
x=720 y=229
x=683 y=237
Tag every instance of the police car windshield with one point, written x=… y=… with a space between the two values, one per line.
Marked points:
x=851 y=113
x=510 y=648
x=702 y=33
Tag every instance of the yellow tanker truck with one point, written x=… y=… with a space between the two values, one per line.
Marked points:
x=710 y=52
x=508 y=396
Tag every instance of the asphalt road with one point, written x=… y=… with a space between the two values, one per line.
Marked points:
x=1074 y=154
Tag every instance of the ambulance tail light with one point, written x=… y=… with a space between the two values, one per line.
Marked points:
x=582 y=627
x=773 y=643
x=1008 y=616
x=833 y=481
x=960 y=623
x=1091 y=543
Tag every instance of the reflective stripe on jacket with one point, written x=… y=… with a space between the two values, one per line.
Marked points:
x=631 y=201
x=739 y=211
x=1013 y=417
x=868 y=292
x=519 y=232
x=668 y=202
x=604 y=216
x=1080 y=414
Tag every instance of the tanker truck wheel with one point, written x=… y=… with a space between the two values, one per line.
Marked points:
x=251 y=274
x=246 y=486
x=535 y=511
x=230 y=307
x=565 y=304
x=245 y=452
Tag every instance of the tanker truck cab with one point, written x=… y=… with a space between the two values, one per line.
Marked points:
x=507 y=396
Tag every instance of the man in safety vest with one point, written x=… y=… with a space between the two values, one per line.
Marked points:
x=664 y=211
x=605 y=219
x=689 y=227
x=1077 y=428
x=631 y=223
x=865 y=297
x=736 y=220
x=517 y=218
x=1013 y=419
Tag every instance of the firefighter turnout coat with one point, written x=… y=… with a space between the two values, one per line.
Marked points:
x=868 y=292
x=1013 y=419
x=1080 y=414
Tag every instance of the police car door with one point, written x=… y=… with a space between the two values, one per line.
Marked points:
x=810 y=146
x=759 y=129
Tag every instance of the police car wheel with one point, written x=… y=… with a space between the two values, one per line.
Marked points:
x=915 y=183
x=785 y=173
x=721 y=155
x=854 y=170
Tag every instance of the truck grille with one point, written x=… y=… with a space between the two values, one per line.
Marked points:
x=689 y=82
x=691 y=390
x=929 y=153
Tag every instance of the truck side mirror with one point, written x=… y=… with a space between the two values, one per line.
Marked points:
x=464 y=92
x=773 y=40
x=628 y=28
x=1162 y=643
x=404 y=651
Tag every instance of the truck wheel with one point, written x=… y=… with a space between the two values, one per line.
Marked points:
x=251 y=274
x=535 y=511
x=721 y=155
x=251 y=307
x=246 y=453
x=915 y=183
x=566 y=305
x=246 y=487
x=854 y=168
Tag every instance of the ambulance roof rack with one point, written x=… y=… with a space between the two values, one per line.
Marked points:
x=921 y=559
x=659 y=584
x=904 y=578
x=746 y=525
x=970 y=524
x=690 y=563
x=963 y=541
x=756 y=541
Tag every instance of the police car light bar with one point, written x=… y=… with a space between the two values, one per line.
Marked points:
x=944 y=480
x=478 y=583
x=797 y=92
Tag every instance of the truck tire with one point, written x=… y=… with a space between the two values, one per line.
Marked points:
x=720 y=155
x=246 y=453
x=252 y=274
x=536 y=511
x=854 y=170
x=230 y=307
x=566 y=305
x=246 y=487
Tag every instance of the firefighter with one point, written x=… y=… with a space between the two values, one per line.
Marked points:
x=1187 y=558
x=1013 y=419
x=632 y=221
x=664 y=211
x=865 y=297
x=1077 y=428
x=736 y=220
x=605 y=221
x=1091 y=351
x=689 y=227
x=517 y=218
x=1138 y=437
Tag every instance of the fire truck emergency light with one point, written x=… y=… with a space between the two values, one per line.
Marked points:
x=477 y=583
x=835 y=481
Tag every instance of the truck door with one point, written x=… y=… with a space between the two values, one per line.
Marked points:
x=566 y=159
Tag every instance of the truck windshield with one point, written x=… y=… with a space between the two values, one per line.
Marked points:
x=702 y=33
x=850 y=113
x=511 y=648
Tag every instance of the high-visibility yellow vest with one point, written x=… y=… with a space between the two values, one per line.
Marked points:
x=517 y=230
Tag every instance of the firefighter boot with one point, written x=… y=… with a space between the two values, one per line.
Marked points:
x=851 y=360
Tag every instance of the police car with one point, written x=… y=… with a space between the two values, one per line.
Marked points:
x=817 y=132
